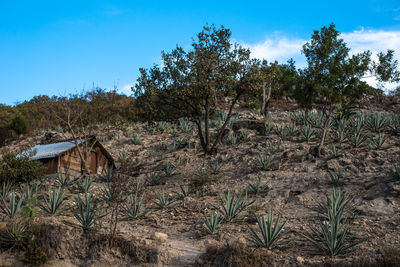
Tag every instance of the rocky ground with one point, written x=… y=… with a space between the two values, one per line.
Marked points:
x=296 y=181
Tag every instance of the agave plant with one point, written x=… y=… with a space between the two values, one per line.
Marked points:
x=163 y=200
x=282 y=132
x=136 y=139
x=395 y=173
x=135 y=207
x=63 y=180
x=377 y=121
x=15 y=236
x=292 y=129
x=271 y=232
x=334 y=151
x=85 y=185
x=341 y=133
x=336 y=177
x=87 y=213
x=212 y=223
x=357 y=139
x=53 y=202
x=29 y=191
x=168 y=168
x=378 y=141
x=5 y=190
x=156 y=178
x=308 y=132
x=107 y=174
x=233 y=205
x=13 y=207
x=179 y=143
x=256 y=187
x=337 y=203
x=264 y=161
x=183 y=192
x=333 y=238
x=214 y=166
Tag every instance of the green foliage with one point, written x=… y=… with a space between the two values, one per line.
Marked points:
x=233 y=205
x=107 y=174
x=53 y=202
x=168 y=168
x=14 y=236
x=282 y=132
x=185 y=125
x=85 y=184
x=199 y=181
x=11 y=207
x=19 y=124
x=264 y=161
x=63 y=180
x=214 y=166
x=183 y=192
x=377 y=121
x=5 y=190
x=395 y=172
x=29 y=208
x=333 y=236
x=135 y=208
x=336 y=177
x=35 y=253
x=212 y=224
x=336 y=203
x=307 y=132
x=156 y=178
x=271 y=233
x=181 y=88
x=20 y=169
x=163 y=200
x=136 y=139
x=256 y=187
x=87 y=212
x=123 y=157
x=179 y=143
x=378 y=141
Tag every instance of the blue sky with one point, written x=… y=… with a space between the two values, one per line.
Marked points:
x=62 y=47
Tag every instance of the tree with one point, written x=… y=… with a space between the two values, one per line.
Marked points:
x=335 y=77
x=189 y=83
x=18 y=124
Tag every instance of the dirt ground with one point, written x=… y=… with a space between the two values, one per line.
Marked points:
x=296 y=182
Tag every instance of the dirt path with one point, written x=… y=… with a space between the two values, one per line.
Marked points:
x=183 y=246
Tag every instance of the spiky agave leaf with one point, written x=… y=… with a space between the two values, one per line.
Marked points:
x=13 y=207
x=271 y=233
x=135 y=207
x=212 y=223
x=233 y=205
x=53 y=202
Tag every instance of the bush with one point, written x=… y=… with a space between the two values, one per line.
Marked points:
x=19 y=168
x=18 y=124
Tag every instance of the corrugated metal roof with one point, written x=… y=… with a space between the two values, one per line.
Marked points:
x=50 y=150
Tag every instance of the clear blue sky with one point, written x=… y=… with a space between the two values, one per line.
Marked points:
x=61 y=47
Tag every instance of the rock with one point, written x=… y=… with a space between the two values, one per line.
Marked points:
x=160 y=237
x=376 y=191
x=396 y=186
x=3 y=226
x=300 y=259
x=249 y=124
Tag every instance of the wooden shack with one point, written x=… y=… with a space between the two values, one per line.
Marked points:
x=64 y=157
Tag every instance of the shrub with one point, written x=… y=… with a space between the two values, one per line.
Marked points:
x=271 y=233
x=199 y=181
x=35 y=253
x=18 y=124
x=19 y=168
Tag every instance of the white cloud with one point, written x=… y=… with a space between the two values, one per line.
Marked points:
x=280 y=47
x=126 y=89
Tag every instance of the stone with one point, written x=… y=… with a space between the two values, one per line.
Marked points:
x=300 y=259
x=160 y=237
x=333 y=164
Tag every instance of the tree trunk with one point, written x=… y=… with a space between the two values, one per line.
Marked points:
x=324 y=132
x=266 y=98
